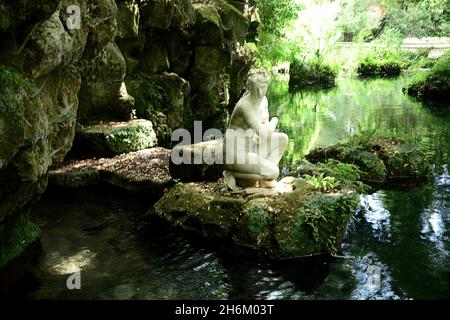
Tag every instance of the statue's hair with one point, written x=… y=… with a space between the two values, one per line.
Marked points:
x=253 y=76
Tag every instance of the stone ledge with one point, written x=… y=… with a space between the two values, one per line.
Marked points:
x=112 y=138
x=144 y=170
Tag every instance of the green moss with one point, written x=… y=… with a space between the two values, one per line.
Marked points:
x=317 y=226
x=257 y=220
x=151 y=99
x=5 y=21
x=372 y=168
x=198 y=203
x=294 y=224
x=378 y=160
x=131 y=138
x=12 y=86
x=406 y=161
x=16 y=234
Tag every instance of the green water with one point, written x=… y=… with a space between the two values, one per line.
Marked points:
x=403 y=234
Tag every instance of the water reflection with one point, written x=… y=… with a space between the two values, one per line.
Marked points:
x=377 y=216
x=403 y=234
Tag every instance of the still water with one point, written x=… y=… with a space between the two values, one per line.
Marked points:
x=397 y=246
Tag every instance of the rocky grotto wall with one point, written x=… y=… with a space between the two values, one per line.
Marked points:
x=167 y=61
x=175 y=62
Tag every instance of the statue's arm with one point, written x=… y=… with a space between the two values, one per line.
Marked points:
x=264 y=110
x=253 y=121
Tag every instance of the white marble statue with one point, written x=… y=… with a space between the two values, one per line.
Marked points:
x=252 y=137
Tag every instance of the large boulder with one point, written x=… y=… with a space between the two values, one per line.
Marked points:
x=112 y=138
x=165 y=13
x=234 y=23
x=103 y=95
x=128 y=17
x=175 y=91
x=102 y=26
x=284 y=224
x=154 y=58
x=51 y=45
x=211 y=59
x=208 y=27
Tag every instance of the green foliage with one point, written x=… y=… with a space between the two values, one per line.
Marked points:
x=311 y=74
x=322 y=183
x=381 y=63
x=5 y=21
x=152 y=98
x=425 y=18
x=276 y=15
x=421 y=18
x=273 y=46
x=345 y=174
x=364 y=138
x=12 y=88
x=434 y=86
x=387 y=60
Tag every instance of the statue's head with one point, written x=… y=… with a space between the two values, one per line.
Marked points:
x=258 y=81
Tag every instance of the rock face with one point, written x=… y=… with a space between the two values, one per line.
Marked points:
x=145 y=170
x=189 y=52
x=82 y=61
x=292 y=224
x=40 y=78
x=113 y=138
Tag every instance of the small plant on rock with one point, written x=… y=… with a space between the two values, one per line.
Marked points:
x=322 y=183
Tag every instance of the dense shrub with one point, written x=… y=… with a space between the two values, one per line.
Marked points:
x=310 y=75
x=434 y=86
x=379 y=65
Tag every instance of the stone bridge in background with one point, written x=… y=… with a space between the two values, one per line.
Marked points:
x=437 y=46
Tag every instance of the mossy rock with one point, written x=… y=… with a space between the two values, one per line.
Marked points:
x=373 y=169
x=208 y=26
x=194 y=209
x=405 y=161
x=294 y=224
x=380 y=160
x=17 y=233
x=316 y=226
x=211 y=59
x=234 y=22
x=112 y=138
x=13 y=89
